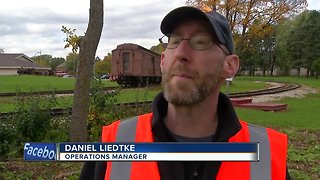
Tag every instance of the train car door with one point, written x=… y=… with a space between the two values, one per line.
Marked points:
x=126 y=62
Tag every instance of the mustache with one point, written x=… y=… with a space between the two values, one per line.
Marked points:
x=181 y=69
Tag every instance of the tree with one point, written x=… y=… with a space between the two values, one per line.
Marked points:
x=242 y=14
x=87 y=46
x=48 y=61
x=72 y=39
x=41 y=61
x=104 y=66
x=97 y=59
x=283 y=31
x=316 y=67
x=158 y=48
x=311 y=29
x=304 y=41
x=1 y=50
x=72 y=61
x=55 y=62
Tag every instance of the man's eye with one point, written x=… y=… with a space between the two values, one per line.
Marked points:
x=200 y=41
x=174 y=41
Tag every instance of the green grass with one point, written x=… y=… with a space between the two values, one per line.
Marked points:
x=243 y=85
x=6 y=104
x=301 y=122
x=126 y=95
x=147 y=94
x=311 y=82
x=301 y=114
x=138 y=95
x=303 y=153
x=27 y=83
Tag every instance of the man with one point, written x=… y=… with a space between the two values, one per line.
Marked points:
x=199 y=56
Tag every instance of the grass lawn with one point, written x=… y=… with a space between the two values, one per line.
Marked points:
x=27 y=83
x=126 y=95
x=301 y=114
x=301 y=122
x=311 y=82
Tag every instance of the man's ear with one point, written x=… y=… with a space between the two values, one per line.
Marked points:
x=231 y=66
x=162 y=61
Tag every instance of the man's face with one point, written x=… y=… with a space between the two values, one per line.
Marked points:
x=189 y=75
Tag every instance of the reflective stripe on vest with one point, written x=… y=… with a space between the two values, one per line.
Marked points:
x=260 y=170
x=130 y=131
x=122 y=170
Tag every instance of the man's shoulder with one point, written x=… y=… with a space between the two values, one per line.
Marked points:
x=258 y=130
x=126 y=126
x=146 y=116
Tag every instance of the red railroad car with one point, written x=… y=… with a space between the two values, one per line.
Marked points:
x=133 y=65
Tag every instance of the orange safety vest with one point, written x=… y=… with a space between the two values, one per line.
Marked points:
x=271 y=164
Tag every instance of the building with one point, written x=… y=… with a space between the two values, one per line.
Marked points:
x=11 y=64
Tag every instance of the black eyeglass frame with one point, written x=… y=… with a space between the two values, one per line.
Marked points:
x=164 y=45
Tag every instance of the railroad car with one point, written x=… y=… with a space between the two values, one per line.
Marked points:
x=134 y=65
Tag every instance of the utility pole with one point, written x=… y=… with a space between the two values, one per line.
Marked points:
x=40 y=55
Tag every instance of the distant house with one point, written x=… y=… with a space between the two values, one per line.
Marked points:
x=61 y=70
x=62 y=67
x=10 y=64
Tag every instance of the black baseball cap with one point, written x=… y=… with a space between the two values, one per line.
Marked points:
x=220 y=24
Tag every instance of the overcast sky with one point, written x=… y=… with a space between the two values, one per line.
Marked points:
x=33 y=26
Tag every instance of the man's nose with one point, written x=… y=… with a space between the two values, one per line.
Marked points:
x=182 y=52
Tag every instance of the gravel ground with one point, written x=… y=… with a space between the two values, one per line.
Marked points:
x=296 y=93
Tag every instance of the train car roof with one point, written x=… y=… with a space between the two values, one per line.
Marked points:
x=134 y=46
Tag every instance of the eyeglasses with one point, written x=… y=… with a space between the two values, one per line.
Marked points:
x=198 y=42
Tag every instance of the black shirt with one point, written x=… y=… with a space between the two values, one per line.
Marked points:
x=228 y=126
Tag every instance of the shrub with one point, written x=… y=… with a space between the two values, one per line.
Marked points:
x=7 y=139
x=104 y=109
x=33 y=116
x=29 y=123
x=59 y=129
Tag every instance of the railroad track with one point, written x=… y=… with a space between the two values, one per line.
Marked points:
x=46 y=92
x=272 y=90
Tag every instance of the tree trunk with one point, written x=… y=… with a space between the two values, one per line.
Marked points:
x=88 y=48
x=272 y=64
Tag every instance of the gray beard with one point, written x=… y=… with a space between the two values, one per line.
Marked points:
x=182 y=94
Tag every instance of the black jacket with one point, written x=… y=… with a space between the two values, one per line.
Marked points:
x=228 y=126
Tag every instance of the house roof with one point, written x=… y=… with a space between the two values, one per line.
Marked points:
x=18 y=60
x=62 y=65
